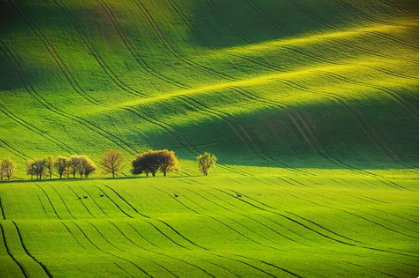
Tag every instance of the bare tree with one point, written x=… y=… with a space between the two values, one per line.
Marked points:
x=112 y=162
x=205 y=162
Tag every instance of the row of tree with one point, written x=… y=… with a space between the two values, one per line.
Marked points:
x=65 y=166
x=111 y=162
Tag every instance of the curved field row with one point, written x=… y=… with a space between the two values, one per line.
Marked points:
x=140 y=229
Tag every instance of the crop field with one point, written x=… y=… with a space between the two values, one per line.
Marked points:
x=312 y=108
x=321 y=226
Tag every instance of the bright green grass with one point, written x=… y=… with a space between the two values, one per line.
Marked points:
x=311 y=107
x=331 y=84
x=329 y=225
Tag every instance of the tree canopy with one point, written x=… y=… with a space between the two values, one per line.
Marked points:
x=152 y=161
x=112 y=162
x=205 y=162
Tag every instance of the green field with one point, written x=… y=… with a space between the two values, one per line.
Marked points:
x=312 y=108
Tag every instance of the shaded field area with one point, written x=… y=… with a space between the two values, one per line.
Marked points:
x=331 y=84
x=335 y=225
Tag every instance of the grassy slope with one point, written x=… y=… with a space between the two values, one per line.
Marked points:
x=329 y=225
x=317 y=99
x=331 y=85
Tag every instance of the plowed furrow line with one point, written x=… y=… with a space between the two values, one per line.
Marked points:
x=173 y=50
x=213 y=218
x=125 y=201
x=367 y=130
x=262 y=153
x=30 y=89
x=366 y=199
x=175 y=258
x=268 y=219
x=310 y=14
x=387 y=91
x=96 y=203
x=293 y=221
x=366 y=269
x=157 y=230
x=139 y=58
x=13 y=150
x=49 y=200
x=120 y=250
x=229 y=227
x=313 y=57
x=182 y=236
x=116 y=205
x=41 y=203
x=360 y=13
x=227 y=22
x=173 y=132
x=166 y=236
x=393 y=39
x=3 y=214
x=137 y=245
x=290 y=34
x=322 y=227
x=269 y=264
x=201 y=107
x=141 y=236
x=323 y=153
x=243 y=215
x=81 y=201
x=47 y=272
x=247 y=264
x=395 y=74
x=399 y=216
x=268 y=19
x=205 y=42
x=95 y=54
x=24 y=272
x=36 y=130
x=64 y=203
x=162 y=125
x=106 y=252
x=53 y=53
x=394 y=185
x=282 y=269
x=388 y=221
x=376 y=223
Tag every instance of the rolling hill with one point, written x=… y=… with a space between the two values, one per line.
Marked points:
x=332 y=84
x=312 y=108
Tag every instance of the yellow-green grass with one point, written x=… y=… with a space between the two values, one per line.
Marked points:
x=334 y=224
x=311 y=107
x=331 y=84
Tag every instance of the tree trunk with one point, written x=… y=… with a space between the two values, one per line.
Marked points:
x=113 y=174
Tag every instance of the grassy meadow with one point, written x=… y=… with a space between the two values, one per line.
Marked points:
x=310 y=106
